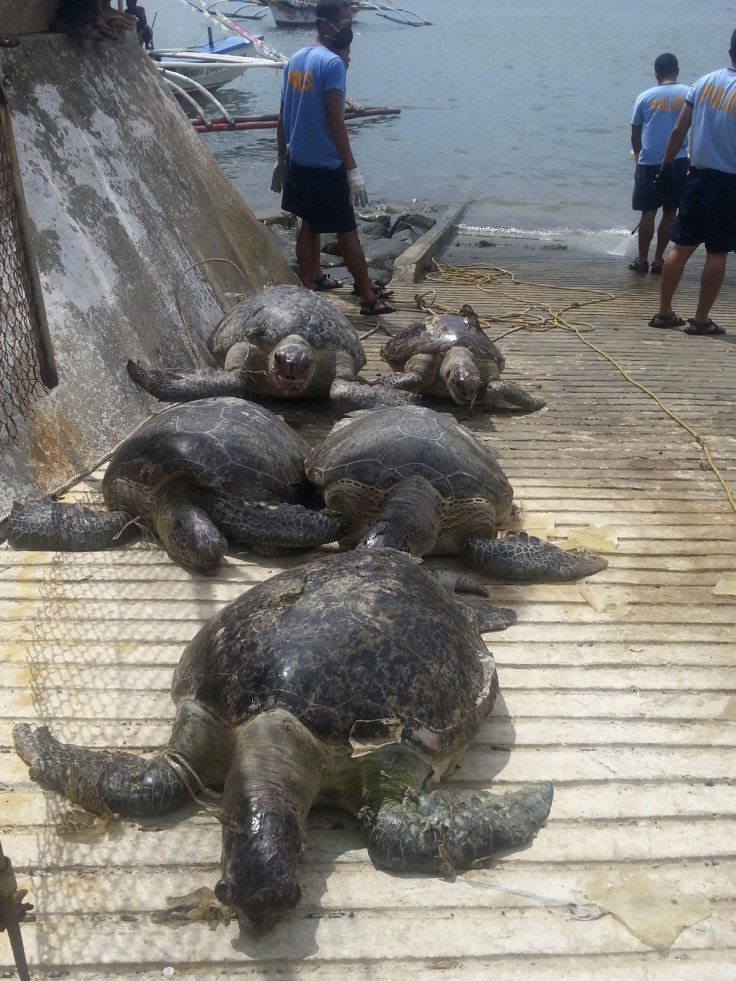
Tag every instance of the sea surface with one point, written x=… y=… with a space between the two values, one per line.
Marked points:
x=522 y=109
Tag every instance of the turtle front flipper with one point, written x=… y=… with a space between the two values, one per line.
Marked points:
x=447 y=831
x=516 y=555
x=273 y=781
x=407 y=381
x=53 y=526
x=101 y=782
x=172 y=385
x=188 y=533
x=349 y=396
x=262 y=526
x=508 y=392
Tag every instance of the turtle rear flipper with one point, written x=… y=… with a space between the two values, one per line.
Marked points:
x=52 y=525
x=508 y=392
x=447 y=831
x=173 y=385
x=516 y=555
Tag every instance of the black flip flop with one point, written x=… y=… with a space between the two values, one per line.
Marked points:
x=707 y=329
x=9 y=41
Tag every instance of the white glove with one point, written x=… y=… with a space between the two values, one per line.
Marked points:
x=358 y=193
x=278 y=176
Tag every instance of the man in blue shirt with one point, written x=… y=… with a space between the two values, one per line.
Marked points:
x=316 y=171
x=708 y=206
x=655 y=113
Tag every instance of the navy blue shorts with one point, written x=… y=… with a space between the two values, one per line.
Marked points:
x=645 y=197
x=707 y=211
x=320 y=196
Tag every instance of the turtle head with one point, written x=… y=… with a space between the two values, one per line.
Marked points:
x=461 y=376
x=260 y=870
x=291 y=365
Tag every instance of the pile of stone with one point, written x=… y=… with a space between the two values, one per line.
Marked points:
x=385 y=233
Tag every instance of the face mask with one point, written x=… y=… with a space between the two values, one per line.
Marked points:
x=343 y=38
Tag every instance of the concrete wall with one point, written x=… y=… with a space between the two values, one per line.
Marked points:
x=123 y=199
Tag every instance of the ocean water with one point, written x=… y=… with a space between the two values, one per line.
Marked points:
x=521 y=109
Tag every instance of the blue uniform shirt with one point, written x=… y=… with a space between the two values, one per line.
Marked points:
x=656 y=111
x=713 y=129
x=308 y=75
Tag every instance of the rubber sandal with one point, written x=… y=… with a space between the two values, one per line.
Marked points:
x=707 y=329
x=8 y=41
x=375 y=308
x=379 y=288
x=325 y=283
x=659 y=320
x=638 y=266
x=655 y=270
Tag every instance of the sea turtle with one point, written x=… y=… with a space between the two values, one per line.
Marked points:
x=284 y=341
x=416 y=480
x=451 y=356
x=192 y=475
x=353 y=680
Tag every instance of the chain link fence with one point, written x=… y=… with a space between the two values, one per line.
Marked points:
x=26 y=360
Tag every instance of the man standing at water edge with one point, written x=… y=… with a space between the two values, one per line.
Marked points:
x=316 y=170
x=708 y=206
x=655 y=113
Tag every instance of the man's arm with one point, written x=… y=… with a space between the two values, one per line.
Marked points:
x=636 y=140
x=338 y=129
x=678 y=134
x=280 y=138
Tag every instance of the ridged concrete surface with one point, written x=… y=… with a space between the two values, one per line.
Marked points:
x=620 y=690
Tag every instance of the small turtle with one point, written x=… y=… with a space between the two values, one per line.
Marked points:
x=355 y=680
x=451 y=356
x=285 y=341
x=416 y=480
x=193 y=474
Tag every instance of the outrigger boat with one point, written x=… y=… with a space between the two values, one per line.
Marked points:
x=211 y=65
x=206 y=67
x=301 y=13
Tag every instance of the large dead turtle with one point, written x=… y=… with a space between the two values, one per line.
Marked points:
x=451 y=356
x=416 y=480
x=354 y=680
x=285 y=341
x=192 y=475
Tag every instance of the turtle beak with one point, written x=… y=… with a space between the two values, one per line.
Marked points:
x=259 y=913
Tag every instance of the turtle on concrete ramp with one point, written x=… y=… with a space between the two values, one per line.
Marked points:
x=416 y=480
x=284 y=342
x=195 y=475
x=354 y=680
x=450 y=356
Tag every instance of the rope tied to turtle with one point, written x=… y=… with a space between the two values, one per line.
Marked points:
x=184 y=770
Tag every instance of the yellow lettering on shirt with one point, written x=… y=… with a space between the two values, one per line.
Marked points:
x=299 y=81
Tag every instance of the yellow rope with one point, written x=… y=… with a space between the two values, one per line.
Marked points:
x=482 y=277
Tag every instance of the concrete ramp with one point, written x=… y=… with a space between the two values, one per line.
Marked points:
x=136 y=242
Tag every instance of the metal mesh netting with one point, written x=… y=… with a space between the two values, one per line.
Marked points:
x=26 y=365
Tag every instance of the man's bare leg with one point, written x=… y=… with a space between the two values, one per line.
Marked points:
x=711 y=280
x=663 y=236
x=672 y=271
x=308 y=246
x=645 y=235
x=352 y=253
